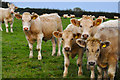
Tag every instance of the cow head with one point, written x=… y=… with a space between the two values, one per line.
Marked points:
x=26 y=19
x=12 y=8
x=93 y=47
x=67 y=38
x=87 y=24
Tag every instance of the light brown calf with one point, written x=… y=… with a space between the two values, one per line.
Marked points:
x=103 y=17
x=66 y=16
x=37 y=28
x=116 y=17
x=87 y=25
x=102 y=50
x=72 y=16
x=69 y=36
x=6 y=15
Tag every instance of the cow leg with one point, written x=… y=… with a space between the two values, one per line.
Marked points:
x=66 y=64
x=99 y=73
x=59 y=46
x=39 y=42
x=31 y=49
x=92 y=73
x=1 y=26
x=6 y=24
x=111 y=71
x=79 y=62
x=11 y=25
x=53 y=45
x=105 y=74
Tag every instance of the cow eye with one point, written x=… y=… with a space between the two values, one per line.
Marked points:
x=80 y=25
x=72 y=39
x=29 y=20
x=98 y=50
x=91 y=26
x=87 y=49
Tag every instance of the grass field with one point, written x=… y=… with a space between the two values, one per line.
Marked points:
x=16 y=62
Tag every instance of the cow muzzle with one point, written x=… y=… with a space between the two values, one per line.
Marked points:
x=25 y=29
x=67 y=49
x=91 y=63
x=85 y=36
x=12 y=12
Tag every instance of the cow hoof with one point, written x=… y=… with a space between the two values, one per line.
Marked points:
x=39 y=58
x=58 y=54
x=79 y=74
x=64 y=75
x=31 y=56
x=53 y=54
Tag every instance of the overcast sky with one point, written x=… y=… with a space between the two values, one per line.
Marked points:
x=107 y=6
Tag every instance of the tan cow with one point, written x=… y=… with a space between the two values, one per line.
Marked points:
x=6 y=15
x=66 y=16
x=37 y=28
x=69 y=36
x=116 y=17
x=72 y=16
x=89 y=26
x=102 y=50
x=103 y=17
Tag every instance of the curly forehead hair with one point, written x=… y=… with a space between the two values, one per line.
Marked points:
x=87 y=17
x=92 y=39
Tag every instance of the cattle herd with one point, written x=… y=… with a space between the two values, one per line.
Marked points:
x=97 y=39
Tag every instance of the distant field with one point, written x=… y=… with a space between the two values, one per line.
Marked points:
x=16 y=62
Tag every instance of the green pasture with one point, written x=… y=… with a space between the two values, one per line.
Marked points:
x=16 y=62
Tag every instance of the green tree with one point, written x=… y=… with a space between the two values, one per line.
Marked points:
x=77 y=9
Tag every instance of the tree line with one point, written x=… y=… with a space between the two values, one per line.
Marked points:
x=76 y=11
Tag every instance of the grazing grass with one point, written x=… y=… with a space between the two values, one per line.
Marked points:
x=16 y=62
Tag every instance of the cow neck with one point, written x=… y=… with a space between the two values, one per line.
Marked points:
x=10 y=15
x=103 y=58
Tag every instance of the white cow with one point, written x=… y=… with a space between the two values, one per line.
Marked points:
x=37 y=28
x=6 y=15
x=70 y=48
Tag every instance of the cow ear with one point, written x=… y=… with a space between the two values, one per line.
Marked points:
x=18 y=16
x=76 y=36
x=8 y=4
x=16 y=7
x=75 y=22
x=34 y=17
x=60 y=34
x=81 y=42
x=97 y=22
x=105 y=44
x=57 y=34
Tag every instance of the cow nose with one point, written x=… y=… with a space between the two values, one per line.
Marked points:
x=91 y=63
x=11 y=12
x=25 y=29
x=85 y=36
x=67 y=49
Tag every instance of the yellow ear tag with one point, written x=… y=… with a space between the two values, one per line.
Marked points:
x=16 y=8
x=34 y=18
x=98 y=23
x=104 y=46
x=76 y=37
